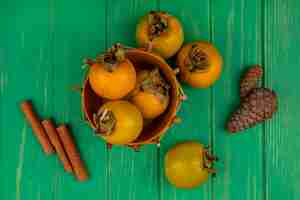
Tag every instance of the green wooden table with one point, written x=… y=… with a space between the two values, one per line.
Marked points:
x=42 y=44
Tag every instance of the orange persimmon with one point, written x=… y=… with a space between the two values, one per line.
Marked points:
x=118 y=122
x=188 y=164
x=200 y=64
x=151 y=93
x=112 y=76
x=160 y=32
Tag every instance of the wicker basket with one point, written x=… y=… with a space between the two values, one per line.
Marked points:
x=154 y=130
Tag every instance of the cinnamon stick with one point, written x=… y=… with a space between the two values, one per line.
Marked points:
x=55 y=140
x=72 y=152
x=38 y=130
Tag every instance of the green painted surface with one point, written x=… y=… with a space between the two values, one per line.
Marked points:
x=42 y=44
x=237 y=32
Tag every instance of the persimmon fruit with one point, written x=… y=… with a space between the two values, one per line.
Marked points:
x=151 y=94
x=188 y=165
x=161 y=33
x=118 y=122
x=200 y=64
x=112 y=75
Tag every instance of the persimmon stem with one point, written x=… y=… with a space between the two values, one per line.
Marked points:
x=149 y=46
x=208 y=160
x=89 y=61
x=211 y=170
x=211 y=157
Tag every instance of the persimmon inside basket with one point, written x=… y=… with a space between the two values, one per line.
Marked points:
x=152 y=131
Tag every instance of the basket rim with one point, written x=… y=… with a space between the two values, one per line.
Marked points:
x=161 y=130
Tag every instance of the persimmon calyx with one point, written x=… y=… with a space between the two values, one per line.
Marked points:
x=208 y=161
x=197 y=60
x=158 y=23
x=154 y=83
x=105 y=121
x=112 y=57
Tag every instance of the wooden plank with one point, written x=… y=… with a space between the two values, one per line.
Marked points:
x=195 y=112
x=133 y=175
x=41 y=48
x=25 y=74
x=237 y=33
x=78 y=31
x=282 y=134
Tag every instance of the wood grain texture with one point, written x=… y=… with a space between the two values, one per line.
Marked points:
x=196 y=111
x=42 y=45
x=282 y=136
x=236 y=26
x=24 y=71
x=133 y=175
x=78 y=31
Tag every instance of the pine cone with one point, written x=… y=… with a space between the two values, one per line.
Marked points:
x=250 y=80
x=258 y=106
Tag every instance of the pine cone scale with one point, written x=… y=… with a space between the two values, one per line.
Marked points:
x=250 y=80
x=255 y=108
